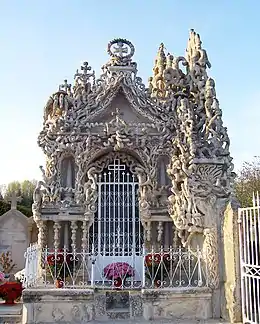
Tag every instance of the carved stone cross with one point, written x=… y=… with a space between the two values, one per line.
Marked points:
x=65 y=87
x=85 y=68
x=120 y=49
x=13 y=200
x=117 y=114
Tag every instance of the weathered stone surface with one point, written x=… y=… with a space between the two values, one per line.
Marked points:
x=14 y=236
x=231 y=305
x=136 y=304
x=10 y=314
x=172 y=139
x=176 y=305
x=58 y=305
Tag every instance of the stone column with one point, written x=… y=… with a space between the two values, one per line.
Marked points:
x=210 y=252
x=84 y=242
x=41 y=234
x=66 y=234
x=73 y=227
x=56 y=228
x=231 y=290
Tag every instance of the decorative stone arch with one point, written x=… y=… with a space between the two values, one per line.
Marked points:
x=136 y=167
x=114 y=179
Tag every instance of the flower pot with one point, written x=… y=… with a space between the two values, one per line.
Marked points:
x=118 y=283
x=9 y=301
x=59 y=283
x=7 y=278
x=10 y=291
x=157 y=283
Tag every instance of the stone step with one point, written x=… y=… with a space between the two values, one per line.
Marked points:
x=118 y=313
x=11 y=319
x=10 y=314
x=141 y=321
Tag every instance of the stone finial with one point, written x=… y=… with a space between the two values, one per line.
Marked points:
x=14 y=199
x=157 y=81
x=160 y=61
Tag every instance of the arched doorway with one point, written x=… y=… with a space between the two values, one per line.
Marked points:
x=116 y=234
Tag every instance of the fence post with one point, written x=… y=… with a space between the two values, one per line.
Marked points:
x=92 y=267
x=143 y=267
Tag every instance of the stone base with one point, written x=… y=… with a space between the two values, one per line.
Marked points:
x=10 y=313
x=57 y=305
x=85 y=306
x=118 y=305
x=181 y=305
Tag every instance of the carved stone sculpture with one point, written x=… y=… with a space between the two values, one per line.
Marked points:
x=177 y=116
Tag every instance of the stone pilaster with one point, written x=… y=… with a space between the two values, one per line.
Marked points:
x=231 y=294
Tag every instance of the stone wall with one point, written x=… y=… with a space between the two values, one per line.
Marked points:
x=181 y=305
x=82 y=305
x=58 y=305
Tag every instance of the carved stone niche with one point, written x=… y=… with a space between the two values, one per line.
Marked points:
x=67 y=171
x=99 y=171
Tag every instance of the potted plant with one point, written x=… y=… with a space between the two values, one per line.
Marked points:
x=118 y=272
x=10 y=291
x=2 y=278
x=7 y=264
x=59 y=266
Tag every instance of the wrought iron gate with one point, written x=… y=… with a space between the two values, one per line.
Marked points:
x=249 y=235
x=116 y=235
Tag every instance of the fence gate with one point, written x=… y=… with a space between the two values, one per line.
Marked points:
x=249 y=235
x=117 y=234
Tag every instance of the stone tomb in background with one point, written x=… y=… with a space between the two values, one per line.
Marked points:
x=15 y=232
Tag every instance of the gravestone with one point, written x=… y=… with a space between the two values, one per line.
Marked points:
x=14 y=234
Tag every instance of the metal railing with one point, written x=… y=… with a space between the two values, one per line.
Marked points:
x=152 y=269
x=30 y=275
x=249 y=235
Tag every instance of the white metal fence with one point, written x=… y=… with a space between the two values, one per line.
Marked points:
x=30 y=277
x=249 y=234
x=154 y=269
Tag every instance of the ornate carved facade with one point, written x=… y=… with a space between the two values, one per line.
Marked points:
x=169 y=136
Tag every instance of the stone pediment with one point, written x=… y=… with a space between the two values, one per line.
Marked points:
x=129 y=113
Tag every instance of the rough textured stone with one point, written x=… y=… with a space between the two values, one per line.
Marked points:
x=231 y=305
x=10 y=314
x=15 y=236
x=171 y=137
x=136 y=304
x=176 y=305
x=58 y=305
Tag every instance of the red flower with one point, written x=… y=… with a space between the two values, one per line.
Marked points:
x=153 y=259
x=11 y=290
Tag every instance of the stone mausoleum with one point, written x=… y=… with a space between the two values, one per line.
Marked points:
x=133 y=170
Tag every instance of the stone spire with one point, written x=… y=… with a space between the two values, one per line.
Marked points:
x=156 y=83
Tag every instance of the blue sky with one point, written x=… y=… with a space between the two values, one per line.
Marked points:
x=44 y=42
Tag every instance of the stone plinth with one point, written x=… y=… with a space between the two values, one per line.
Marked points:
x=10 y=313
x=172 y=304
x=57 y=305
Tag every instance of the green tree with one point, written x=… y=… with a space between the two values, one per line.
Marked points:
x=248 y=182
x=4 y=207
x=22 y=189
x=27 y=189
